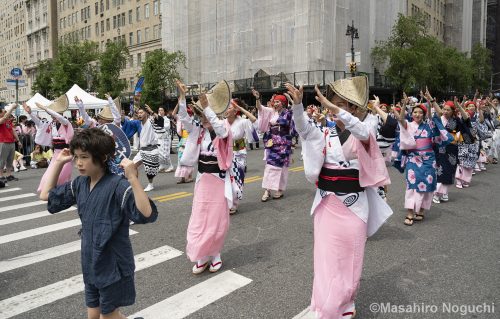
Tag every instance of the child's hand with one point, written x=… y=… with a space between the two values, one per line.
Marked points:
x=65 y=156
x=129 y=168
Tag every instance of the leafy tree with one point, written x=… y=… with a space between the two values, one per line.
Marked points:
x=412 y=60
x=43 y=81
x=481 y=67
x=160 y=69
x=72 y=66
x=111 y=62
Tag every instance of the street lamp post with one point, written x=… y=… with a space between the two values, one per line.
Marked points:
x=353 y=33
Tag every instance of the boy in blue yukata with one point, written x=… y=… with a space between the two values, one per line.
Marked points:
x=105 y=204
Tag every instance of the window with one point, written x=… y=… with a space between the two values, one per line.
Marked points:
x=129 y=16
x=139 y=59
x=131 y=38
x=132 y=79
x=146 y=11
x=102 y=6
x=138 y=14
x=102 y=26
x=114 y=22
x=108 y=25
x=107 y=4
x=156 y=8
x=139 y=37
x=97 y=8
x=123 y=19
x=97 y=28
x=146 y=34
x=156 y=33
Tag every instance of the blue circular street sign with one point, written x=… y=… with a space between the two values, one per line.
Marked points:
x=16 y=72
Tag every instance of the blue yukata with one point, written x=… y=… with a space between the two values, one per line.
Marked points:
x=106 y=254
x=420 y=162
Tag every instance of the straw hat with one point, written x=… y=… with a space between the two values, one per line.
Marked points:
x=106 y=114
x=60 y=104
x=219 y=98
x=354 y=90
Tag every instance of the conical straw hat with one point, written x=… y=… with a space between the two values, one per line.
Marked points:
x=60 y=104
x=219 y=98
x=354 y=90
x=106 y=114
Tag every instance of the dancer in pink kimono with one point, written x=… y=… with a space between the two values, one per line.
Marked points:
x=212 y=148
x=347 y=166
x=56 y=134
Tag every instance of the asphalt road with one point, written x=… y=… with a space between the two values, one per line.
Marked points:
x=434 y=269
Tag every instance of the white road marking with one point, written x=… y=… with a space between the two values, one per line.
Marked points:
x=194 y=298
x=33 y=299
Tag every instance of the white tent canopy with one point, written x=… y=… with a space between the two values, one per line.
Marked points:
x=37 y=98
x=89 y=101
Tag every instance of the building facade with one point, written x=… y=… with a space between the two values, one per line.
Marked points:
x=493 y=41
x=434 y=13
x=13 y=49
x=41 y=36
x=136 y=22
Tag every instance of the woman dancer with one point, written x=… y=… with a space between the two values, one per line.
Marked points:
x=468 y=148
x=184 y=172
x=346 y=165
x=213 y=197
x=241 y=129
x=276 y=123
x=417 y=138
x=56 y=134
x=447 y=156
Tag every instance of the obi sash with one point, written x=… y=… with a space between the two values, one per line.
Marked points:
x=339 y=180
x=423 y=145
x=208 y=164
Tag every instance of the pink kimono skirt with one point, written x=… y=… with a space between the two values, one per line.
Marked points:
x=183 y=171
x=65 y=175
x=275 y=178
x=339 y=248
x=209 y=220
x=417 y=201
x=463 y=174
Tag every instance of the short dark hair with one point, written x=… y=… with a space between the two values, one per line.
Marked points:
x=93 y=140
x=22 y=118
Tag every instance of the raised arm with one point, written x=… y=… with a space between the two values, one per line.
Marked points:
x=460 y=107
x=117 y=117
x=64 y=121
x=81 y=108
x=51 y=182
x=258 y=103
x=432 y=102
x=376 y=106
x=183 y=116
x=6 y=116
x=218 y=125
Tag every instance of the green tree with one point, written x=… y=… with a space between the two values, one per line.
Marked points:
x=43 y=81
x=481 y=67
x=412 y=60
x=160 y=69
x=72 y=66
x=111 y=62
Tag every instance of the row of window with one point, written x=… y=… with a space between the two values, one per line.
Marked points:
x=118 y=20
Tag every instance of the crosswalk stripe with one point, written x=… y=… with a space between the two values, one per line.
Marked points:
x=28 y=204
x=169 y=195
x=33 y=299
x=10 y=190
x=175 y=197
x=39 y=231
x=22 y=218
x=194 y=298
x=4 y=199
x=42 y=255
x=305 y=314
x=297 y=169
